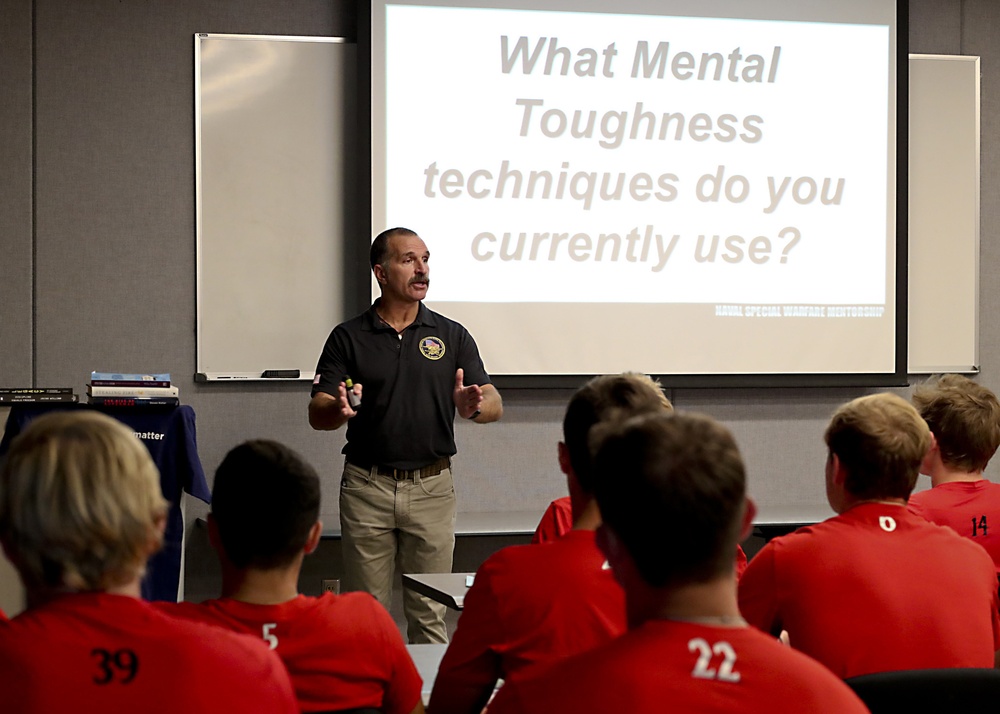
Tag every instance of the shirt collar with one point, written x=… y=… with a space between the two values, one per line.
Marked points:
x=374 y=323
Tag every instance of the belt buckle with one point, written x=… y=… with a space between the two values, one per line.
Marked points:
x=399 y=474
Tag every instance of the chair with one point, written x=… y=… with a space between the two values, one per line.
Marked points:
x=942 y=690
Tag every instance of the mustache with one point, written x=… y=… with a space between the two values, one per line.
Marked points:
x=419 y=279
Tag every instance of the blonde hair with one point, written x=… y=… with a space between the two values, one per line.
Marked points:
x=964 y=417
x=80 y=502
x=881 y=440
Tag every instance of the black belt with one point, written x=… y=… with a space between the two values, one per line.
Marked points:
x=432 y=469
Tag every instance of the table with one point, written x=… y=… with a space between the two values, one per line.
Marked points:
x=446 y=588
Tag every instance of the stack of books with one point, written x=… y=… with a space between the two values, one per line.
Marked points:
x=36 y=395
x=112 y=389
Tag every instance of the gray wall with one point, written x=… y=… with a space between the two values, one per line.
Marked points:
x=97 y=224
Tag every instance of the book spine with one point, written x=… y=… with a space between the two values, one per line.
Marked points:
x=38 y=398
x=134 y=401
x=128 y=383
x=132 y=391
x=125 y=377
x=35 y=390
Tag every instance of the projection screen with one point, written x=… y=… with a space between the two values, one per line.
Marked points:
x=680 y=188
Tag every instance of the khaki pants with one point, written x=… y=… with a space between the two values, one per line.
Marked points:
x=380 y=518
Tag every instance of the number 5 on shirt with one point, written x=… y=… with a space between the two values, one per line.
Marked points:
x=271 y=640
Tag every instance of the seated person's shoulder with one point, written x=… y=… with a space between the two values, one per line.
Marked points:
x=513 y=563
x=348 y=605
x=233 y=656
x=794 y=676
x=659 y=664
x=555 y=522
x=63 y=638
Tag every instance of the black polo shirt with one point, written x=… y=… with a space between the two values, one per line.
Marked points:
x=407 y=416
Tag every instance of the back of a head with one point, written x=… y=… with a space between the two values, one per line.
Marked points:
x=606 y=398
x=964 y=417
x=880 y=440
x=265 y=499
x=664 y=476
x=80 y=502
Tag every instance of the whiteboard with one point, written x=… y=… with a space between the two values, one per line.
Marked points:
x=274 y=119
x=276 y=151
x=944 y=214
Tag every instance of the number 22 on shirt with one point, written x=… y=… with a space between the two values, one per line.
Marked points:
x=706 y=653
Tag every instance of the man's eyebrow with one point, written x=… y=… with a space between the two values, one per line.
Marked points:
x=427 y=254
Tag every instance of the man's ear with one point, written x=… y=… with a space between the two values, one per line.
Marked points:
x=315 y=533
x=213 y=533
x=380 y=275
x=564 y=464
x=156 y=537
x=839 y=473
x=932 y=455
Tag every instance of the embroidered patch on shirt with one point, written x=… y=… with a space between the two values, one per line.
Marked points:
x=432 y=348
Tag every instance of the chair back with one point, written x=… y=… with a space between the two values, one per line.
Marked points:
x=943 y=690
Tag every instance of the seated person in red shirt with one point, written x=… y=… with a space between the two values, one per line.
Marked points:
x=80 y=514
x=342 y=651
x=964 y=418
x=534 y=604
x=672 y=491
x=876 y=588
x=556 y=522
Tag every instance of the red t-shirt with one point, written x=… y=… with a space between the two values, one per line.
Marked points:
x=666 y=665
x=529 y=605
x=557 y=521
x=874 y=589
x=741 y=561
x=94 y=652
x=342 y=651
x=971 y=508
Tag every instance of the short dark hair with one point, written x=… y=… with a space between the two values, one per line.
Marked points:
x=379 y=253
x=265 y=499
x=612 y=396
x=963 y=416
x=880 y=440
x=661 y=475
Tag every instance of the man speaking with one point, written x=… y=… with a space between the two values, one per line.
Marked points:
x=396 y=375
